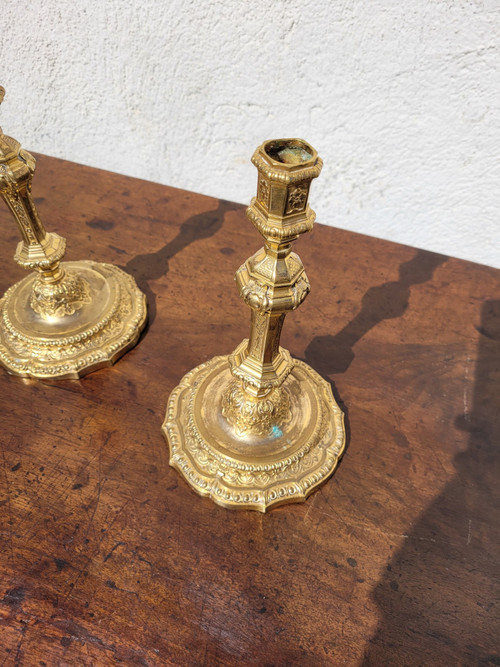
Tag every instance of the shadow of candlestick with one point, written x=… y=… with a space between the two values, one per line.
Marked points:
x=154 y=265
x=440 y=592
x=333 y=354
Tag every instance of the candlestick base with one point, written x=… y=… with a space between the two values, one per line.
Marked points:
x=253 y=471
x=83 y=323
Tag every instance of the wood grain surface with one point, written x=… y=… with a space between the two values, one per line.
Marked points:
x=107 y=556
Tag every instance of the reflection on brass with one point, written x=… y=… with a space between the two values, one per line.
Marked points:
x=64 y=319
x=257 y=429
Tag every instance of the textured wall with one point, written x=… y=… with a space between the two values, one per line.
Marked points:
x=401 y=99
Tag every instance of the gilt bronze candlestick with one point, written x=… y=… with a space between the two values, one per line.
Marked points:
x=257 y=429
x=64 y=319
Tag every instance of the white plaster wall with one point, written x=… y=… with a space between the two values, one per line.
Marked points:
x=400 y=97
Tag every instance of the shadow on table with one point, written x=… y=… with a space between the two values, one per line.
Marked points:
x=332 y=355
x=437 y=593
x=154 y=265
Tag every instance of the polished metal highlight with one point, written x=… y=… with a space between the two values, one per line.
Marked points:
x=63 y=320
x=257 y=428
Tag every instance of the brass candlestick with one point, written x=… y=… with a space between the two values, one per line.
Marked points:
x=63 y=320
x=257 y=428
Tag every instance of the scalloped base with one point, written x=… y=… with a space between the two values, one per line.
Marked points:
x=253 y=472
x=70 y=346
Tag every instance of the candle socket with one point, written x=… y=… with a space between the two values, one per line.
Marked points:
x=63 y=320
x=257 y=429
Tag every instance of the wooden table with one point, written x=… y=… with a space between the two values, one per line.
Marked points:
x=107 y=555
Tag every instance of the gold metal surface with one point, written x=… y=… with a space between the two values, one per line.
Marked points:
x=64 y=319
x=258 y=429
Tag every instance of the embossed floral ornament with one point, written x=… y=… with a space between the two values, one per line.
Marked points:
x=62 y=298
x=248 y=415
x=263 y=191
x=297 y=199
